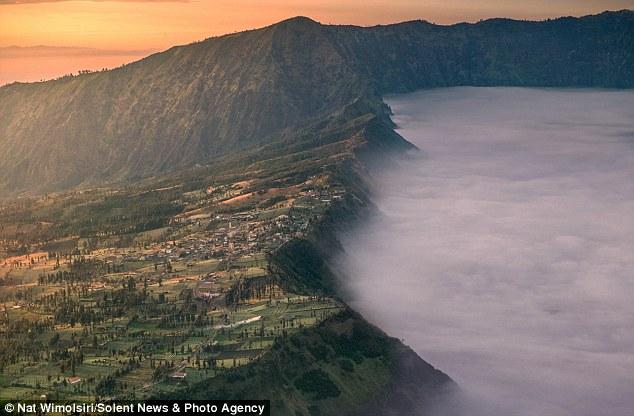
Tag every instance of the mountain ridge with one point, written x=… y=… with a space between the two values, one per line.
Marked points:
x=287 y=106
x=229 y=93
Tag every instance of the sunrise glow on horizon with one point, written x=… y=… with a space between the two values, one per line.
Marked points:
x=151 y=25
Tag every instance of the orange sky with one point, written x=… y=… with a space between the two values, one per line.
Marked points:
x=143 y=25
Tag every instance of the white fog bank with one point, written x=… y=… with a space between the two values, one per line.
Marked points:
x=504 y=254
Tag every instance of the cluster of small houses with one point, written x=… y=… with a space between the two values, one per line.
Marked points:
x=243 y=235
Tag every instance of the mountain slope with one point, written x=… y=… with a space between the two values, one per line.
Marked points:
x=168 y=110
x=343 y=367
x=594 y=51
x=204 y=100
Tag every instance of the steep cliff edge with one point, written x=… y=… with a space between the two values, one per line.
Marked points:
x=224 y=95
x=345 y=365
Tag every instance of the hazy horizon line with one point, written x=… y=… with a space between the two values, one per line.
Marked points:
x=17 y=51
x=392 y=23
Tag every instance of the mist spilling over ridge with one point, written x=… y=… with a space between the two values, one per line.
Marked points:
x=198 y=102
x=207 y=185
x=503 y=250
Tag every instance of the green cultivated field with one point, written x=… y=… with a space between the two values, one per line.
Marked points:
x=122 y=313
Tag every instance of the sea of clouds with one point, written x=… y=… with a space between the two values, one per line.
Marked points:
x=504 y=250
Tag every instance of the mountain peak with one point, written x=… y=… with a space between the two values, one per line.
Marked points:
x=196 y=103
x=298 y=21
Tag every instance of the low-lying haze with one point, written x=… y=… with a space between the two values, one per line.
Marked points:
x=504 y=251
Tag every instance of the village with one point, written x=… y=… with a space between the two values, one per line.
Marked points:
x=173 y=306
